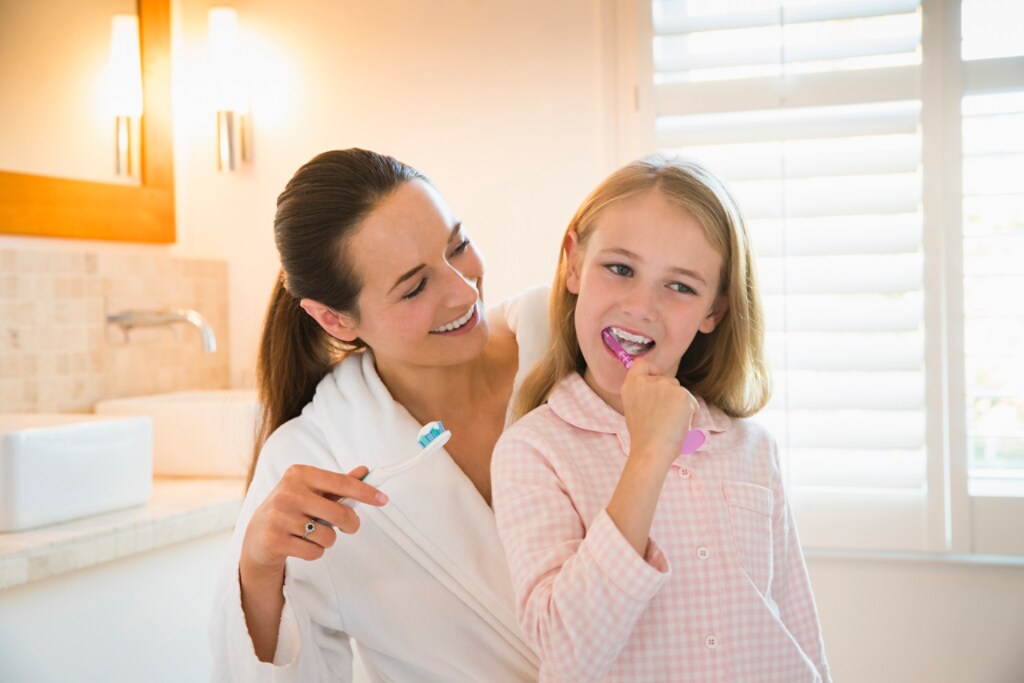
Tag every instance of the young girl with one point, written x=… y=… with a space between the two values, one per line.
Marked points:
x=630 y=561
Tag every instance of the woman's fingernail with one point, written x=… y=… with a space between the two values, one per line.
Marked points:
x=380 y=498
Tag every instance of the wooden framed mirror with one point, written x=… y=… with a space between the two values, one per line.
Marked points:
x=61 y=207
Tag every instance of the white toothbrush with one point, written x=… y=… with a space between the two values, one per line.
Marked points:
x=431 y=437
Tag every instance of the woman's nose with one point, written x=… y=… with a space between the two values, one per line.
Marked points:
x=464 y=290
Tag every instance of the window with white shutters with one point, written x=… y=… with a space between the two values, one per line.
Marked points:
x=831 y=122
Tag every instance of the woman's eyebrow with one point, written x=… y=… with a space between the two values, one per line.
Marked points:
x=406 y=275
x=415 y=269
x=455 y=231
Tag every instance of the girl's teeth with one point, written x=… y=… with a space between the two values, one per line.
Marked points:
x=629 y=336
x=633 y=344
x=634 y=349
x=456 y=324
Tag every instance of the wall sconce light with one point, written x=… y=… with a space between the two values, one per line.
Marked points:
x=125 y=91
x=229 y=90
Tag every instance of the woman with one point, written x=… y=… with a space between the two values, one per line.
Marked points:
x=377 y=272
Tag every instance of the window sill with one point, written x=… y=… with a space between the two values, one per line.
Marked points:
x=976 y=560
x=995 y=484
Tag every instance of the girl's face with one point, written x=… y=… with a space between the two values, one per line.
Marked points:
x=420 y=304
x=647 y=272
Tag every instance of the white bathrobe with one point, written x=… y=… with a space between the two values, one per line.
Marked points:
x=422 y=586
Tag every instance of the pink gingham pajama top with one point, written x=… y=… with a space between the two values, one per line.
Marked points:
x=722 y=592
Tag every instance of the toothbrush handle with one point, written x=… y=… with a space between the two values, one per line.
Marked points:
x=382 y=474
x=694 y=439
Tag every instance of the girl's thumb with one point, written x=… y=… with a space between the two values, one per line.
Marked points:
x=642 y=368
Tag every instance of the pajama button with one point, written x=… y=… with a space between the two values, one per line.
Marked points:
x=711 y=641
x=684 y=473
x=703 y=553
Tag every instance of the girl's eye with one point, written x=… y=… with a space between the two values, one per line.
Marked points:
x=461 y=248
x=419 y=288
x=681 y=288
x=619 y=269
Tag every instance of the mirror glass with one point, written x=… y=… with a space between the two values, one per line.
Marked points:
x=55 y=102
x=49 y=203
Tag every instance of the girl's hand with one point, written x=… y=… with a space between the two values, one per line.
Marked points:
x=658 y=412
x=276 y=529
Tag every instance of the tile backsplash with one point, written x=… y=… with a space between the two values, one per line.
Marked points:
x=58 y=354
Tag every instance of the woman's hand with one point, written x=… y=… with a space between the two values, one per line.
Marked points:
x=277 y=531
x=658 y=412
x=277 y=528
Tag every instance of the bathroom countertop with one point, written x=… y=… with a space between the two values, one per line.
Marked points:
x=179 y=510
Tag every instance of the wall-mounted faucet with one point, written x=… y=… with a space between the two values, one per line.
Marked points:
x=133 y=318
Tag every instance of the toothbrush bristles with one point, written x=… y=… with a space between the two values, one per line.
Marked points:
x=436 y=429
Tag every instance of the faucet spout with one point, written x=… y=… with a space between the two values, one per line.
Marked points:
x=137 y=318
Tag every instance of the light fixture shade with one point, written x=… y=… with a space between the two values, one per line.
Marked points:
x=125 y=66
x=229 y=90
x=226 y=61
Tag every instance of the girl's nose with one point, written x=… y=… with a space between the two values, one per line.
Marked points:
x=639 y=303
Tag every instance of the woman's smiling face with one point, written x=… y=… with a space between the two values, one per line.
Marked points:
x=420 y=302
x=648 y=272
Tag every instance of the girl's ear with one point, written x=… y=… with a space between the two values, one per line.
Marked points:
x=570 y=245
x=715 y=315
x=338 y=325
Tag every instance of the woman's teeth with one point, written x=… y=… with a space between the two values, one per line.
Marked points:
x=456 y=324
x=634 y=344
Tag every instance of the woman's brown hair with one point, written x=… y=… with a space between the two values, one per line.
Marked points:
x=725 y=367
x=318 y=211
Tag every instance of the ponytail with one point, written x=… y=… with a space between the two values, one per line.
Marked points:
x=294 y=355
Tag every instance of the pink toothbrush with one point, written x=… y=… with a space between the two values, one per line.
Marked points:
x=695 y=437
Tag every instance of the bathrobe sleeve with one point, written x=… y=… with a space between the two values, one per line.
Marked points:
x=524 y=316
x=312 y=642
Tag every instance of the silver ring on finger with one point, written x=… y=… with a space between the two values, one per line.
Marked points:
x=310 y=528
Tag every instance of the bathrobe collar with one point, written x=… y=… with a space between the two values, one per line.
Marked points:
x=434 y=513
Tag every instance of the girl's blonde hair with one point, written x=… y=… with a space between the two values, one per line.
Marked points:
x=725 y=367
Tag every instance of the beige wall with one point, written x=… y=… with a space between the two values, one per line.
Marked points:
x=500 y=103
x=913 y=620
x=503 y=104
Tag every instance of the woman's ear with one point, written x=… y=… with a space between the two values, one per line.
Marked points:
x=338 y=325
x=570 y=245
x=715 y=315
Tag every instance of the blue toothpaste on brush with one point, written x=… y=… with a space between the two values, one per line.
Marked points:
x=432 y=436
